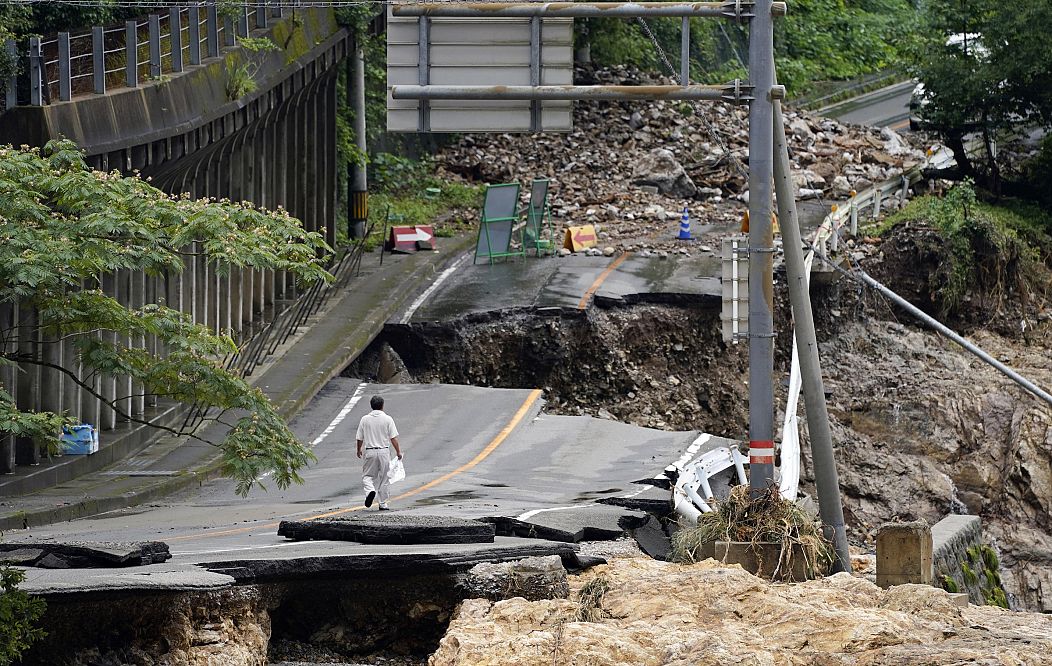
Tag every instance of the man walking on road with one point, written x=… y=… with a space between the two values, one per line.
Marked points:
x=375 y=430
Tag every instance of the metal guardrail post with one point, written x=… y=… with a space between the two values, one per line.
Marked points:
x=854 y=215
x=155 y=46
x=131 y=51
x=36 y=71
x=98 y=59
x=424 y=69
x=12 y=83
x=65 y=85
x=834 y=226
x=212 y=28
x=536 y=44
x=194 y=34
x=905 y=189
x=242 y=22
x=877 y=195
x=175 y=37
x=684 y=52
x=229 y=38
x=262 y=19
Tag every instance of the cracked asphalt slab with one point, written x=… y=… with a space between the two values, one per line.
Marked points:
x=470 y=453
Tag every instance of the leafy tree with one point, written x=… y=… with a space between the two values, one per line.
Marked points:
x=18 y=615
x=986 y=70
x=63 y=224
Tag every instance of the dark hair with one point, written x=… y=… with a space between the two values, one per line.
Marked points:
x=376 y=402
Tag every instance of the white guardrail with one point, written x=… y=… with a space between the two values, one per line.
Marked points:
x=692 y=491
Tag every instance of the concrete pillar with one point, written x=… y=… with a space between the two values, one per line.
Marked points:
x=137 y=280
x=155 y=294
x=237 y=294
x=904 y=554
x=332 y=182
x=27 y=452
x=125 y=386
x=70 y=389
x=108 y=383
x=199 y=288
x=224 y=286
x=9 y=382
x=53 y=381
x=90 y=406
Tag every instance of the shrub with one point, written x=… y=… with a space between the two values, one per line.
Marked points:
x=18 y=615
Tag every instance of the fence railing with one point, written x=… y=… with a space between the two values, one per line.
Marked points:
x=60 y=67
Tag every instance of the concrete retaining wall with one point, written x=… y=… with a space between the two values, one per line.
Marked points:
x=964 y=562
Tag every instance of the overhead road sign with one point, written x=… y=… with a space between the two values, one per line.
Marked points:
x=423 y=51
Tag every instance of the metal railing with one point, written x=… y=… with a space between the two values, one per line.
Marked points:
x=62 y=66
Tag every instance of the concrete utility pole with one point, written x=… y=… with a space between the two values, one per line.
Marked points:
x=830 y=506
x=761 y=249
x=358 y=185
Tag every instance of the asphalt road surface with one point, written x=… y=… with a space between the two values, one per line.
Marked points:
x=469 y=452
x=887 y=107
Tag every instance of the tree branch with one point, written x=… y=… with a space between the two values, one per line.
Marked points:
x=120 y=412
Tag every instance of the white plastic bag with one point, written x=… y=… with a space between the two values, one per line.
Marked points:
x=396 y=471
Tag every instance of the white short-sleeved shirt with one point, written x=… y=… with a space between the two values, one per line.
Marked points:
x=376 y=429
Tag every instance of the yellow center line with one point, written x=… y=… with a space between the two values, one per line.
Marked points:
x=490 y=448
x=599 y=280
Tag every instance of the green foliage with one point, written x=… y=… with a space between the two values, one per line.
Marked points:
x=840 y=39
x=950 y=585
x=989 y=85
x=990 y=559
x=988 y=250
x=973 y=554
x=19 y=613
x=970 y=577
x=62 y=225
x=817 y=40
x=241 y=75
x=997 y=597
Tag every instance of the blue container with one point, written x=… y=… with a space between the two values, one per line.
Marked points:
x=80 y=439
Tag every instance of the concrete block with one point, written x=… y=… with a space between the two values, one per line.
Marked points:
x=959 y=599
x=904 y=554
x=762 y=559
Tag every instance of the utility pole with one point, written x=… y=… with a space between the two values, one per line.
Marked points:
x=357 y=177
x=761 y=249
x=827 y=480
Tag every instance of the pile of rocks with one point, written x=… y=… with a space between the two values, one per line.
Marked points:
x=631 y=167
x=650 y=612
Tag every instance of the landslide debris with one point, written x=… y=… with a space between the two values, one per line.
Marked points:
x=632 y=167
x=652 y=613
x=656 y=366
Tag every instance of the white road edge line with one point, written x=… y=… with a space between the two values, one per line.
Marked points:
x=702 y=439
x=329 y=429
x=430 y=290
x=531 y=514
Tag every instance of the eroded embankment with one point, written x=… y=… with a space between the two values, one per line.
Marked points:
x=658 y=366
x=922 y=428
x=386 y=612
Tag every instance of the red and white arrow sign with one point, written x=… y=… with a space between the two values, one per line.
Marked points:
x=417 y=234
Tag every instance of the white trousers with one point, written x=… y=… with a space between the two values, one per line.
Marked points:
x=375 y=464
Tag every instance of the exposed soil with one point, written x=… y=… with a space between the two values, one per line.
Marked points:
x=922 y=428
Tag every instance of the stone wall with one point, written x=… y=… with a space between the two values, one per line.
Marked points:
x=964 y=563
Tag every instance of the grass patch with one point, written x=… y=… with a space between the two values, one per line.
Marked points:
x=991 y=250
x=590 y=600
x=766 y=518
x=406 y=192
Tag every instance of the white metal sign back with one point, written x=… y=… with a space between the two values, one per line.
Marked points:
x=478 y=51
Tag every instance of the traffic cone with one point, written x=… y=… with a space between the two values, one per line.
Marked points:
x=684 y=225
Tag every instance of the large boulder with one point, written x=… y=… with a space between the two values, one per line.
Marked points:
x=660 y=169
